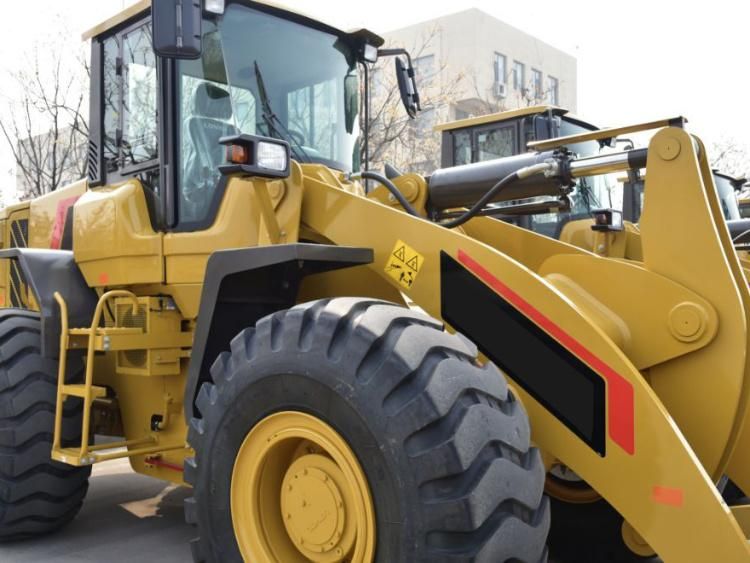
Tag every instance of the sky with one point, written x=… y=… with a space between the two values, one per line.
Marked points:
x=637 y=60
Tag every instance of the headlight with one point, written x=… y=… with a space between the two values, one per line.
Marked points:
x=272 y=156
x=607 y=220
x=215 y=6
x=252 y=155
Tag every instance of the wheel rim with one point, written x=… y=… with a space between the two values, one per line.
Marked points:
x=565 y=485
x=298 y=494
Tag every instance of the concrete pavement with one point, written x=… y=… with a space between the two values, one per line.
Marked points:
x=126 y=517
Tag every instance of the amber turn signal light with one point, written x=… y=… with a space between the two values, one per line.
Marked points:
x=238 y=154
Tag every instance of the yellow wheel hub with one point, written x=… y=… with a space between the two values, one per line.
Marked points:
x=314 y=508
x=298 y=494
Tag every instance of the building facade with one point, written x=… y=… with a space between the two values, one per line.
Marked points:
x=470 y=64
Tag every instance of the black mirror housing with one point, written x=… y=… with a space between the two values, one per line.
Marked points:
x=177 y=28
x=407 y=85
x=407 y=80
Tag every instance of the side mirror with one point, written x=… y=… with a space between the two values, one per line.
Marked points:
x=407 y=85
x=351 y=101
x=177 y=28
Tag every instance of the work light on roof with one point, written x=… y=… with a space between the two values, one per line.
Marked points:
x=370 y=53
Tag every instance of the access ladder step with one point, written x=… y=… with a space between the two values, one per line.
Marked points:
x=80 y=391
x=109 y=331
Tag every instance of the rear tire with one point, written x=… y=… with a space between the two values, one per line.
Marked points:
x=37 y=495
x=442 y=442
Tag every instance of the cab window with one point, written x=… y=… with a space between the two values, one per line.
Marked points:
x=139 y=132
x=130 y=119
x=495 y=143
x=246 y=82
x=485 y=143
x=462 y=148
x=210 y=108
x=312 y=114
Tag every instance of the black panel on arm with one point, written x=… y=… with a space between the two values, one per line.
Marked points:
x=548 y=371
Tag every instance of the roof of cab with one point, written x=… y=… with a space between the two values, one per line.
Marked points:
x=499 y=116
x=143 y=5
x=505 y=116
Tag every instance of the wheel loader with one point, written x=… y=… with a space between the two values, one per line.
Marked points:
x=342 y=374
x=506 y=133
x=743 y=201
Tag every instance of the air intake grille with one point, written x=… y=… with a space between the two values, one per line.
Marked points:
x=19 y=235
x=126 y=319
x=93 y=162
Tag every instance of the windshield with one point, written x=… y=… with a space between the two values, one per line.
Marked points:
x=263 y=75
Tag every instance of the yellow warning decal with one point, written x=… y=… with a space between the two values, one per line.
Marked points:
x=403 y=264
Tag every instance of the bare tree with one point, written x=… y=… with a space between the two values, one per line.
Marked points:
x=45 y=126
x=730 y=156
x=410 y=145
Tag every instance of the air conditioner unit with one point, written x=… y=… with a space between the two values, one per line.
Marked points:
x=499 y=89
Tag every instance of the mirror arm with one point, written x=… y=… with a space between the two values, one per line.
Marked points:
x=395 y=52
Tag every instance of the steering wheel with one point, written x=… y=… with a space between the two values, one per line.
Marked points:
x=298 y=136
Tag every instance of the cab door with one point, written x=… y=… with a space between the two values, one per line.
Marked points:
x=117 y=222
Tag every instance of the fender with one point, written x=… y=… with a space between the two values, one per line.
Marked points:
x=48 y=271
x=244 y=285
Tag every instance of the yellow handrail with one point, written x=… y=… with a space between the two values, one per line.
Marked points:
x=89 y=379
x=90 y=359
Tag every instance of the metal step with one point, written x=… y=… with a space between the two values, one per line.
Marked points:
x=80 y=391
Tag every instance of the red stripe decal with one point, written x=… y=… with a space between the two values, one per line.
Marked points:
x=158 y=462
x=621 y=409
x=60 y=215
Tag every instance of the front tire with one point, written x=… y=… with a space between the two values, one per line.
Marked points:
x=442 y=442
x=37 y=495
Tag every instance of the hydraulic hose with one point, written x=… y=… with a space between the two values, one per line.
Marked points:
x=390 y=186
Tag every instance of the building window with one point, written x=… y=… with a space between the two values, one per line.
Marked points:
x=461 y=114
x=536 y=83
x=554 y=90
x=425 y=121
x=424 y=67
x=499 y=67
x=519 y=72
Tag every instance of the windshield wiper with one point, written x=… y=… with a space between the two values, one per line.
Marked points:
x=269 y=117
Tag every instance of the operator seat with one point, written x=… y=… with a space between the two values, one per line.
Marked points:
x=212 y=106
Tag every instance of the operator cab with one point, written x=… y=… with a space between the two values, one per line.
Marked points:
x=253 y=71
